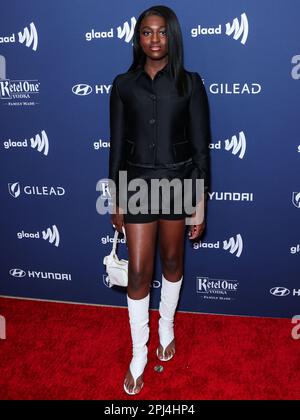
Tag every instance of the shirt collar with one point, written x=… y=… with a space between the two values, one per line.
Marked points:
x=140 y=70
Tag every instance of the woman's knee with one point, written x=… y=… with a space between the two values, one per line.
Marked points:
x=139 y=279
x=172 y=264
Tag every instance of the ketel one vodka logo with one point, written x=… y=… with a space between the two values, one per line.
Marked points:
x=238 y=29
x=216 y=287
x=28 y=37
x=18 y=89
x=50 y=235
x=17 y=92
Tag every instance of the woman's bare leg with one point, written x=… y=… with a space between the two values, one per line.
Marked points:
x=141 y=243
x=171 y=247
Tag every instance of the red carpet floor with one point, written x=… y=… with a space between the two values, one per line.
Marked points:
x=66 y=351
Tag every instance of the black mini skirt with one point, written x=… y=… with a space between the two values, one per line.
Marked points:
x=147 y=202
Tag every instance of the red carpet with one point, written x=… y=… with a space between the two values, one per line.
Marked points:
x=65 y=351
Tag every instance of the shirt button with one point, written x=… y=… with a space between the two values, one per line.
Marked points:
x=151 y=145
x=153 y=96
x=152 y=121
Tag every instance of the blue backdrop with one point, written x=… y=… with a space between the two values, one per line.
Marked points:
x=57 y=62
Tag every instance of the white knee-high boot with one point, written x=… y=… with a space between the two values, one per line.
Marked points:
x=168 y=302
x=138 y=310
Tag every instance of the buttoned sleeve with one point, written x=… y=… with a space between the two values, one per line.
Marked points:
x=199 y=129
x=117 y=147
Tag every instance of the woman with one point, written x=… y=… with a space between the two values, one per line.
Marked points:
x=159 y=128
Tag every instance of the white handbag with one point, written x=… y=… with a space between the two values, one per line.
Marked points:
x=117 y=269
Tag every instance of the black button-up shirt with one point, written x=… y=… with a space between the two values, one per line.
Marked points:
x=152 y=126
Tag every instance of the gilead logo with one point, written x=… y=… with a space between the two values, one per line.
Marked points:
x=296 y=199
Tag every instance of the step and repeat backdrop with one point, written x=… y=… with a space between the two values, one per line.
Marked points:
x=57 y=63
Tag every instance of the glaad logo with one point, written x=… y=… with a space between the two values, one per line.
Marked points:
x=295 y=249
x=29 y=36
x=15 y=190
x=236 y=145
x=99 y=144
x=216 y=288
x=296 y=199
x=296 y=69
x=49 y=235
x=18 y=272
x=125 y=32
x=39 y=142
x=109 y=239
x=234 y=245
x=240 y=30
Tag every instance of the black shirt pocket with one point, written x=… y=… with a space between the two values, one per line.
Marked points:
x=182 y=150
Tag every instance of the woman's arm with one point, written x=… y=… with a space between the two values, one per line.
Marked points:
x=117 y=148
x=199 y=128
x=200 y=136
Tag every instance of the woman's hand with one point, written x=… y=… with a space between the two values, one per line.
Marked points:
x=117 y=219
x=196 y=230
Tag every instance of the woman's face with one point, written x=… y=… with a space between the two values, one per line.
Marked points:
x=153 y=37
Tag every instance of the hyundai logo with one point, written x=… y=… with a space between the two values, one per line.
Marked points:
x=82 y=89
x=17 y=272
x=280 y=291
